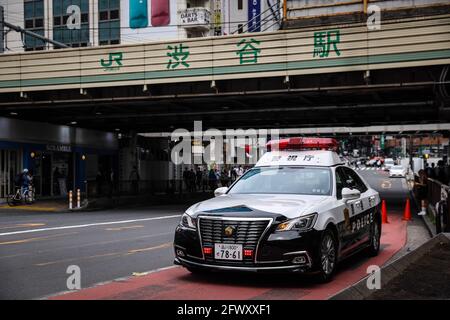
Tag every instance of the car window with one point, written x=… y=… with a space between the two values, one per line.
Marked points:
x=352 y=180
x=284 y=180
x=339 y=183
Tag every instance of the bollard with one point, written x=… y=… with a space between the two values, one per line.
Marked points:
x=78 y=198
x=70 y=200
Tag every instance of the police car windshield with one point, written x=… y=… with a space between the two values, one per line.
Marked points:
x=285 y=180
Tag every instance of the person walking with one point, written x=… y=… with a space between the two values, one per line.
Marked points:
x=134 y=178
x=212 y=178
x=421 y=184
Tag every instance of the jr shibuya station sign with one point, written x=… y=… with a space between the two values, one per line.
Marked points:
x=282 y=53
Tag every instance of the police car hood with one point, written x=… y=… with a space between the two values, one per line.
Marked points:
x=254 y=205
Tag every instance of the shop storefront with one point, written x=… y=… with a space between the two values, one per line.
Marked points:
x=60 y=158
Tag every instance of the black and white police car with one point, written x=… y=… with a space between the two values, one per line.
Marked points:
x=299 y=209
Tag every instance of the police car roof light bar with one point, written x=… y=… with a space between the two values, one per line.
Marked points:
x=299 y=143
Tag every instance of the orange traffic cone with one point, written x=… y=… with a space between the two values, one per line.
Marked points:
x=384 y=217
x=407 y=213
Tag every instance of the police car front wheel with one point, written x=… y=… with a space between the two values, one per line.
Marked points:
x=327 y=256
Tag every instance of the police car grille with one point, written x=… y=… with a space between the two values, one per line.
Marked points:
x=246 y=232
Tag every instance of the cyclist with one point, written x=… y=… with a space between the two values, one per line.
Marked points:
x=26 y=181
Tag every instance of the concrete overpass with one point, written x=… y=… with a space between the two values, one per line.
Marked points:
x=320 y=76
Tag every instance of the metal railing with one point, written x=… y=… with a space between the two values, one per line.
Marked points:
x=438 y=197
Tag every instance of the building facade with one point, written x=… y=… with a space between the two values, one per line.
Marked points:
x=60 y=158
x=83 y=23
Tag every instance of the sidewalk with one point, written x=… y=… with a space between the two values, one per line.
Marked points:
x=104 y=203
x=39 y=206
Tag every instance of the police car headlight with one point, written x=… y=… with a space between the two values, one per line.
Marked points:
x=188 y=222
x=300 y=224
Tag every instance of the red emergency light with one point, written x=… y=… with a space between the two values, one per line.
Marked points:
x=299 y=143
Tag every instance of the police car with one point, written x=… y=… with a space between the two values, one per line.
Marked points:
x=299 y=209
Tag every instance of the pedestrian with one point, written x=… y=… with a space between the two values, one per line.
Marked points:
x=212 y=178
x=198 y=178
x=111 y=183
x=421 y=185
x=440 y=172
x=186 y=178
x=191 y=178
x=134 y=178
x=431 y=171
x=99 y=182
x=56 y=176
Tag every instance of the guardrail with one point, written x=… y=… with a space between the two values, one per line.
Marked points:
x=438 y=197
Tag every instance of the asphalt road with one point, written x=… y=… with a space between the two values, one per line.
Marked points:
x=36 y=248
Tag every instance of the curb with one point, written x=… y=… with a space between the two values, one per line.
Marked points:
x=360 y=291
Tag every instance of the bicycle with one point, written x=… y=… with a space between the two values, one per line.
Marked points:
x=28 y=196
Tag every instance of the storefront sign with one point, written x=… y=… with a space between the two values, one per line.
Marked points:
x=194 y=16
x=254 y=15
x=59 y=148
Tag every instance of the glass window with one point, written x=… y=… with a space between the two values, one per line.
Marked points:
x=284 y=180
x=103 y=15
x=57 y=7
x=109 y=21
x=29 y=10
x=339 y=183
x=57 y=21
x=84 y=5
x=29 y=24
x=115 y=29
x=352 y=180
x=104 y=31
x=114 y=14
x=103 y=5
x=240 y=5
x=39 y=23
x=39 y=8
x=114 y=4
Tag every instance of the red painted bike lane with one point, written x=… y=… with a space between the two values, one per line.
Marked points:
x=178 y=283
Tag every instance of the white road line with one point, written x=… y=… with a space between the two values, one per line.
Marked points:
x=89 y=225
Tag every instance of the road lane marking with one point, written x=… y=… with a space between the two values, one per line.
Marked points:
x=90 y=225
x=126 y=278
x=23 y=225
x=164 y=245
x=36 y=239
x=124 y=228
x=110 y=254
x=92 y=244
x=386 y=184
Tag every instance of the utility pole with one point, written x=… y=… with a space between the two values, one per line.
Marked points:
x=35 y=35
x=2 y=31
x=4 y=24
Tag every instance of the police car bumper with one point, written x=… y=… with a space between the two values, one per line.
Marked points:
x=288 y=251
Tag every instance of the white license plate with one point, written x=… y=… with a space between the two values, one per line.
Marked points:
x=225 y=251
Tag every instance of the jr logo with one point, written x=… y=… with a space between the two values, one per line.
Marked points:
x=114 y=61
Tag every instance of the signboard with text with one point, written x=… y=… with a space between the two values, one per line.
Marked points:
x=254 y=15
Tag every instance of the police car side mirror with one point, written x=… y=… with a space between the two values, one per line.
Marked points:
x=220 y=191
x=350 y=194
